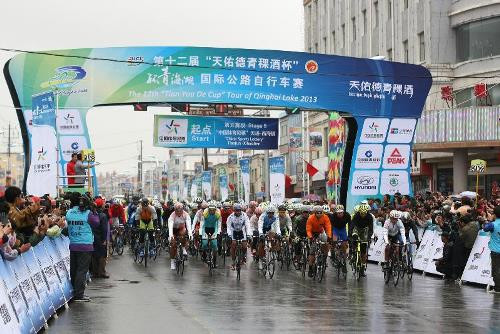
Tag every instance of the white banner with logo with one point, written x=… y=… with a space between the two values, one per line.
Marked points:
x=224 y=192
x=206 y=184
x=245 y=178
x=478 y=268
x=194 y=190
x=277 y=179
x=42 y=175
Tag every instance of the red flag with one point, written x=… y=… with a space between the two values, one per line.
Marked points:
x=231 y=186
x=311 y=170
x=288 y=181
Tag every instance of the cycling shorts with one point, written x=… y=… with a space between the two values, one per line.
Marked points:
x=396 y=239
x=238 y=235
x=361 y=233
x=340 y=233
x=143 y=225
x=179 y=230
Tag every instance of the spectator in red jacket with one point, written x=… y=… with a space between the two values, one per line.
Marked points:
x=70 y=170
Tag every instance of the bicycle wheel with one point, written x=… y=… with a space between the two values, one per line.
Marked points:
x=238 y=263
x=387 y=273
x=146 y=252
x=403 y=264
x=303 y=261
x=321 y=267
x=409 y=267
x=396 y=271
x=119 y=245
x=288 y=257
x=271 y=264
x=136 y=254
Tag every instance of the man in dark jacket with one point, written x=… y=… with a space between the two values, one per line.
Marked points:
x=444 y=264
x=100 y=241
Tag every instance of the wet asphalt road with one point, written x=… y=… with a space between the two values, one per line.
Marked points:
x=156 y=300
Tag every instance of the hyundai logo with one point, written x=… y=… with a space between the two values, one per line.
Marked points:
x=365 y=180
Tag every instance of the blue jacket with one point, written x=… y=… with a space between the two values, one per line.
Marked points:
x=79 y=230
x=494 y=228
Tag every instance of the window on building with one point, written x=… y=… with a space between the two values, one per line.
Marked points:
x=353 y=20
x=478 y=39
x=389 y=54
x=375 y=13
x=405 y=51
x=365 y=22
x=343 y=35
x=421 y=46
x=334 y=40
x=389 y=9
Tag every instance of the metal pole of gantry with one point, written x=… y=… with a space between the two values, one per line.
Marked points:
x=266 y=167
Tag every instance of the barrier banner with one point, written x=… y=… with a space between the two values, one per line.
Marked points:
x=436 y=252
x=245 y=178
x=18 y=303
x=59 y=265
x=478 y=268
x=277 y=179
x=22 y=276
x=49 y=274
x=10 y=321
x=423 y=251
x=206 y=184
x=40 y=284
x=376 y=250
x=224 y=192
x=216 y=132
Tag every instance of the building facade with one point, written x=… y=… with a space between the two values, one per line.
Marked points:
x=459 y=42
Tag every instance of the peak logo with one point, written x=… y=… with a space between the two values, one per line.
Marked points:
x=396 y=157
x=65 y=77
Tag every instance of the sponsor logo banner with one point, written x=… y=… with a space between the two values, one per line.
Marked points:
x=245 y=178
x=365 y=182
x=369 y=156
x=374 y=130
x=207 y=184
x=396 y=157
x=394 y=181
x=401 y=130
x=69 y=122
x=277 y=179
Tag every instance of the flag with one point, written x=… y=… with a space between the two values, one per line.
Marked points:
x=311 y=170
x=231 y=186
x=288 y=181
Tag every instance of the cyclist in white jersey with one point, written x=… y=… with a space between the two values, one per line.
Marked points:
x=238 y=227
x=394 y=234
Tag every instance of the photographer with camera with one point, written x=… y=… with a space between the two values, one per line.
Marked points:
x=23 y=216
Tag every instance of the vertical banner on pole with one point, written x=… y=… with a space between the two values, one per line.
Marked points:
x=295 y=134
x=336 y=149
x=277 y=179
x=245 y=178
x=224 y=193
x=207 y=184
x=194 y=188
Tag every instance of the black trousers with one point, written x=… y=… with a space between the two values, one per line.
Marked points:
x=495 y=269
x=79 y=265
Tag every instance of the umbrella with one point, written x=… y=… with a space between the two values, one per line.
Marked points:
x=469 y=194
x=313 y=197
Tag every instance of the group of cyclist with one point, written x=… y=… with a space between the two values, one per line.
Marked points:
x=209 y=224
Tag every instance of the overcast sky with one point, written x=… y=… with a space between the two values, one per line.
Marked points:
x=57 y=24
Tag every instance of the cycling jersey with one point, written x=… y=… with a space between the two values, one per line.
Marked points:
x=224 y=214
x=285 y=224
x=394 y=230
x=300 y=226
x=339 y=223
x=211 y=222
x=250 y=213
x=145 y=217
x=254 y=224
x=319 y=225
x=179 y=222
x=359 y=224
x=238 y=225
x=267 y=224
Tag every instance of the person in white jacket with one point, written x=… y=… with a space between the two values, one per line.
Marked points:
x=238 y=228
x=179 y=226
x=269 y=225
x=394 y=234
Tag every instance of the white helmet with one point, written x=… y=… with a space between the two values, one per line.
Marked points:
x=395 y=214
x=271 y=208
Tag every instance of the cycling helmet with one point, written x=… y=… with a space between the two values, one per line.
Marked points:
x=252 y=204
x=243 y=206
x=145 y=201
x=204 y=205
x=198 y=200
x=212 y=205
x=363 y=208
x=306 y=208
x=318 y=209
x=178 y=206
x=405 y=215
x=395 y=214
x=326 y=208
x=237 y=207
x=258 y=211
x=194 y=206
x=282 y=207
x=339 y=208
x=270 y=208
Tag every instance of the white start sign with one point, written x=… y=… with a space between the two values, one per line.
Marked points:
x=374 y=130
x=365 y=182
x=369 y=156
x=396 y=156
x=401 y=130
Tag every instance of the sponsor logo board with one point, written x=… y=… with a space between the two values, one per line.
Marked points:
x=173 y=131
x=401 y=130
x=374 y=130
x=69 y=122
x=365 y=182
x=394 y=181
x=369 y=156
x=396 y=156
